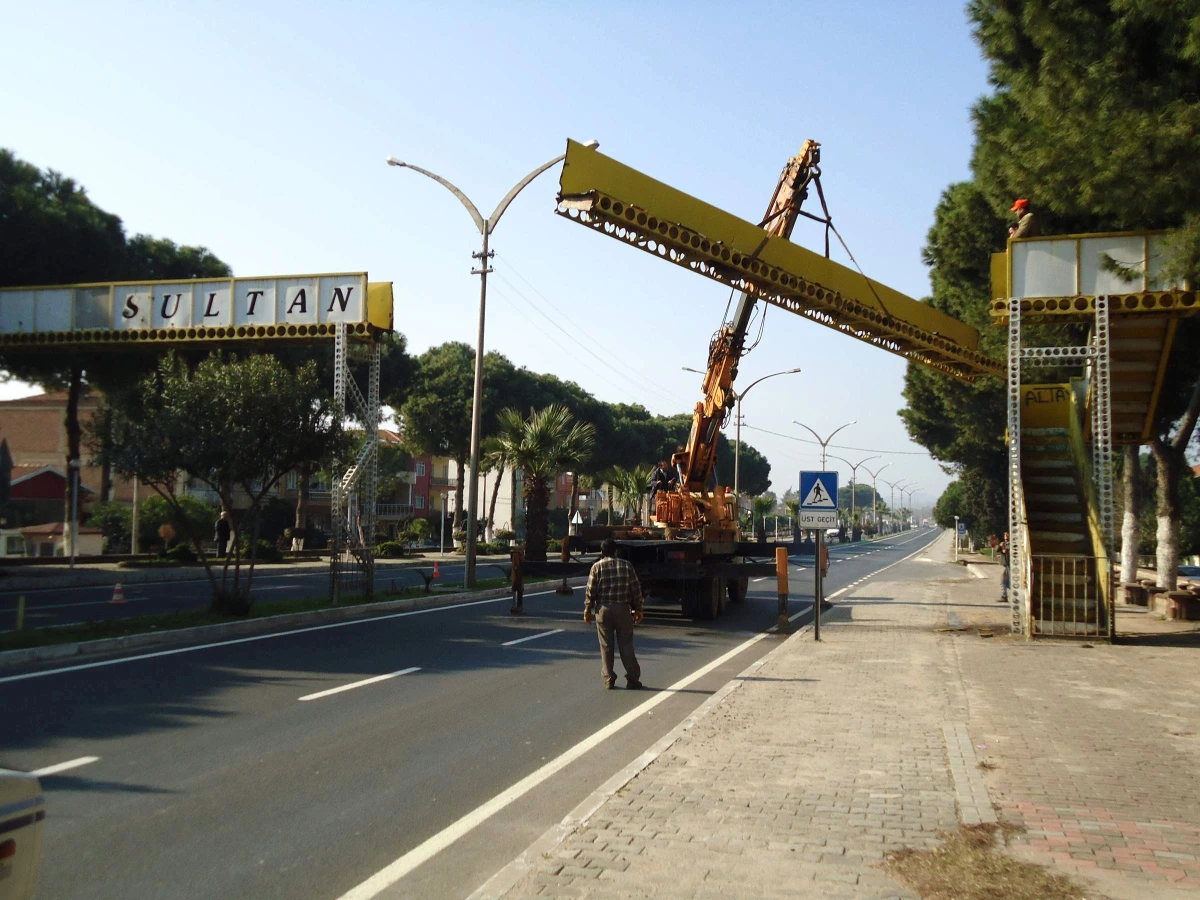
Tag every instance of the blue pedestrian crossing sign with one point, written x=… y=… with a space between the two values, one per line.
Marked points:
x=818 y=499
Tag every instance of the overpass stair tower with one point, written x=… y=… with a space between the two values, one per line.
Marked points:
x=1105 y=334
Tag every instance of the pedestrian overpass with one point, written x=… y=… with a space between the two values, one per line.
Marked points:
x=1111 y=362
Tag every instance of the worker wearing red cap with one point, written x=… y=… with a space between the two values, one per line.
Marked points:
x=1027 y=225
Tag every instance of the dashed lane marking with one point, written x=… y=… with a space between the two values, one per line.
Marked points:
x=532 y=637
x=64 y=766
x=357 y=684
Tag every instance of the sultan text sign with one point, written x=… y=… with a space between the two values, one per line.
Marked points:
x=204 y=309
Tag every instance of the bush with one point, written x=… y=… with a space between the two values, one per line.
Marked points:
x=180 y=553
x=115 y=520
x=153 y=512
x=275 y=517
x=267 y=551
x=504 y=534
x=389 y=550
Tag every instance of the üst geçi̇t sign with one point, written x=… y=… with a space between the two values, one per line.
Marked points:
x=292 y=306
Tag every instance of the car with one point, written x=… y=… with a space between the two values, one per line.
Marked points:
x=1190 y=571
x=831 y=534
x=22 y=809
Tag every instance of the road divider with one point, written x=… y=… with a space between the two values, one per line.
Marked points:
x=357 y=684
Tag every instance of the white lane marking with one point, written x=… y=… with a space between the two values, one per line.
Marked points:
x=764 y=578
x=64 y=766
x=532 y=637
x=837 y=594
x=357 y=684
x=257 y=637
x=390 y=874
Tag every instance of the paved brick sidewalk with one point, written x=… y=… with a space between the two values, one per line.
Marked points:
x=798 y=782
x=1096 y=749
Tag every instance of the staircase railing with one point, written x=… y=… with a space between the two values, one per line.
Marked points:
x=1083 y=466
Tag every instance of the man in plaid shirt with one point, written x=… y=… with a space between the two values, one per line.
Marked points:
x=614 y=603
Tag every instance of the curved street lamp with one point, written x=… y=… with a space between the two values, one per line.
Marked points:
x=854 y=485
x=875 y=494
x=737 y=447
x=824 y=443
x=486 y=227
x=898 y=484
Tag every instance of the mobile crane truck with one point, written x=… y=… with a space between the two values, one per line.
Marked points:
x=692 y=551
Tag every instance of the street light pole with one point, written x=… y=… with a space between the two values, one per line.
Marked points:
x=854 y=486
x=898 y=483
x=875 y=494
x=824 y=443
x=737 y=446
x=486 y=227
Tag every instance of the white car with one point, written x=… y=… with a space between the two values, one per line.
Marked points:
x=22 y=809
x=831 y=534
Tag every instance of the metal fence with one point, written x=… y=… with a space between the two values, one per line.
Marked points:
x=1066 y=597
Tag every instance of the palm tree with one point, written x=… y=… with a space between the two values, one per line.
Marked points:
x=762 y=506
x=549 y=441
x=494 y=457
x=632 y=486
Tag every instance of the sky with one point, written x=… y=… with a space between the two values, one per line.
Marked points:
x=259 y=130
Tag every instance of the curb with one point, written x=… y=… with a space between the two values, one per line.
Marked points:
x=201 y=634
x=88 y=577
x=507 y=878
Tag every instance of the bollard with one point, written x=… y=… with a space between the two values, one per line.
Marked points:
x=781 y=578
x=818 y=585
x=21 y=612
x=518 y=581
x=564 y=588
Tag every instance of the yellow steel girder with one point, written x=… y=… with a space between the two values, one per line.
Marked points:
x=623 y=203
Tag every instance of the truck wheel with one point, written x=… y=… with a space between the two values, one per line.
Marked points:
x=708 y=597
x=738 y=587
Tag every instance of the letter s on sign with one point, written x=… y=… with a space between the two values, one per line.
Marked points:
x=131 y=308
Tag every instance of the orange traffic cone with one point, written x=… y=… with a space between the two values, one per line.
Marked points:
x=118 y=594
x=436 y=573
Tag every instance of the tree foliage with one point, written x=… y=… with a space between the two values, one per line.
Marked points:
x=229 y=424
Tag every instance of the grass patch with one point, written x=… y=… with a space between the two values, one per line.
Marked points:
x=110 y=628
x=969 y=866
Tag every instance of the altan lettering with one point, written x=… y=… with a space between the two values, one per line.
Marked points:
x=166 y=300
x=1045 y=395
x=340 y=298
x=208 y=310
x=131 y=309
x=301 y=300
x=253 y=297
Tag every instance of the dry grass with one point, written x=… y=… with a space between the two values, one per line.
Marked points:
x=970 y=866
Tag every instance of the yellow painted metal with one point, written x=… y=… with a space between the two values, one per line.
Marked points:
x=1081 y=307
x=379 y=305
x=621 y=202
x=1159 y=377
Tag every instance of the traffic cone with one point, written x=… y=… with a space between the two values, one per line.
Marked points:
x=436 y=572
x=118 y=594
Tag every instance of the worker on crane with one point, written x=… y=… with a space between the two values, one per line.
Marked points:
x=1026 y=225
x=663 y=478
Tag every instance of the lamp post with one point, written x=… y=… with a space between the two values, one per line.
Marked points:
x=442 y=536
x=824 y=443
x=956 y=538
x=737 y=446
x=486 y=227
x=911 y=491
x=894 y=485
x=875 y=494
x=854 y=486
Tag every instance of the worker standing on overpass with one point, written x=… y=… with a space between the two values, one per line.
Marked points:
x=614 y=603
x=1027 y=225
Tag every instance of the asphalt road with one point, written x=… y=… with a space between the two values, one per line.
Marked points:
x=74 y=605
x=216 y=773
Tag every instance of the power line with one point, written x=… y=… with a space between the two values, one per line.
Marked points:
x=647 y=381
x=842 y=446
x=662 y=395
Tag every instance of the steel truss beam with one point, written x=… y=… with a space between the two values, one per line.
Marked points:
x=621 y=202
x=355 y=486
